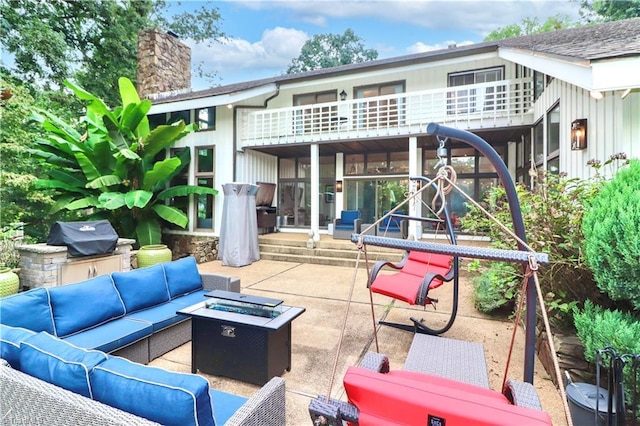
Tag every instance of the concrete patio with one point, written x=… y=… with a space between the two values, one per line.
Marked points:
x=324 y=292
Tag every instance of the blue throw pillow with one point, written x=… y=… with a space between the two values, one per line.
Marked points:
x=84 y=305
x=182 y=276
x=156 y=394
x=58 y=362
x=30 y=310
x=142 y=288
x=10 y=340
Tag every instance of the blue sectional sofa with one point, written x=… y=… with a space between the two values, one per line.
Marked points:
x=130 y=314
x=59 y=345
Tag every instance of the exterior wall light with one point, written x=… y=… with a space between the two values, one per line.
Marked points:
x=338 y=186
x=579 y=134
x=343 y=95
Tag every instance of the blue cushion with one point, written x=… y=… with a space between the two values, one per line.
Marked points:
x=58 y=362
x=10 y=339
x=111 y=336
x=190 y=299
x=182 y=276
x=85 y=304
x=160 y=316
x=29 y=310
x=391 y=224
x=156 y=394
x=142 y=288
x=349 y=216
x=225 y=405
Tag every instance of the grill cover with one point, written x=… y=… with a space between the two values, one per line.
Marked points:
x=84 y=238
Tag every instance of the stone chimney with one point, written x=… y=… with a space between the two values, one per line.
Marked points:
x=164 y=64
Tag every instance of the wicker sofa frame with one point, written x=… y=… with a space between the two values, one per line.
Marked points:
x=27 y=400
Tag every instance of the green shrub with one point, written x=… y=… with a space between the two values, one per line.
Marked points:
x=552 y=215
x=611 y=229
x=496 y=287
x=599 y=328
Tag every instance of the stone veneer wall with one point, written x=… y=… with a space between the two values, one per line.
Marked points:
x=204 y=249
x=570 y=354
x=164 y=63
x=40 y=263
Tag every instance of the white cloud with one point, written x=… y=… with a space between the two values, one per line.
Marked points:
x=271 y=54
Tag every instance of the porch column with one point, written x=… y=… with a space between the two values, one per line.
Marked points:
x=315 y=193
x=415 y=227
x=339 y=198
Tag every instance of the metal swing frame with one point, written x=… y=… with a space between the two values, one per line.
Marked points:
x=419 y=326
x=522 y=256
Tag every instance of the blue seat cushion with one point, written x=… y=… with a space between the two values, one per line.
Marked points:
x=160 y=316
x=162 y=396
x=84 y=305
x=30 y=310
x=10 y=340
x=348 y=217
x=190 y=299
x=58 y=362
x=347 y=227
x=142 y=288
x=182 y=276
x=225 y=405
x=390 y=223
x=112 y=335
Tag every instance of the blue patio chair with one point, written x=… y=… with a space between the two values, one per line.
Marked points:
x=393 y=226
x=348 y=223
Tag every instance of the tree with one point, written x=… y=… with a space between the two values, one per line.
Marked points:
x=331 y=50
x=91 y=42
x=20 y=203
x=609 y=10
x=530 y=26
x=109 y=166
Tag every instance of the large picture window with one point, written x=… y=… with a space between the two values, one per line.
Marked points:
x=204 y=176
x=384 y=112
x=316 y=118
x=468 y=100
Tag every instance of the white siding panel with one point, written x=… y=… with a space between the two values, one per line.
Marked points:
x=613 y=125
x=253 y=166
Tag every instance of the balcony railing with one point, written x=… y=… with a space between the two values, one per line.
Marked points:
x=494 y=104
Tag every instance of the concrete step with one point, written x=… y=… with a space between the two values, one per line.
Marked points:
x=326 y=252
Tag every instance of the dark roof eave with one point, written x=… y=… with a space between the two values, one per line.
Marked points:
x=398 y=61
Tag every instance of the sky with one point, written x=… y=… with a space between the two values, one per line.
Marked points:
x=264 y=36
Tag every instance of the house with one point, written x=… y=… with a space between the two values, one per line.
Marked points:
x=349 y=137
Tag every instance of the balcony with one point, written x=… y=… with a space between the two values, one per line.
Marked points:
x=479 y=106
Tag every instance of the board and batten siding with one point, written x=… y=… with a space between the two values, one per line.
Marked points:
x=612 y=125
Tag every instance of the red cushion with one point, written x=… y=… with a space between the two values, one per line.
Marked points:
x=404 y=285
x=432 y=259
x=408 y=398
x=400 y=286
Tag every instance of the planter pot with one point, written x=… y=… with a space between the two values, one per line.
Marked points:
x=152 y=254
x=9 y=282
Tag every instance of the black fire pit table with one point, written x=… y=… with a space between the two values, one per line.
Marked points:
x=241 y=336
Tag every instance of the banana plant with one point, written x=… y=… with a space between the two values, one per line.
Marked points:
x=107 y=164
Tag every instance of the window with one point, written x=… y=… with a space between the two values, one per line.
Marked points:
x=385 y=112
x=553 y=139
x=156 y=120
x=538 y=143
x=205 y=164
x=476 y=99
x=206 y=118
x=475 y=173
x=176 y=116
x=538 y=84
x=317 y=118
x=377 y=163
